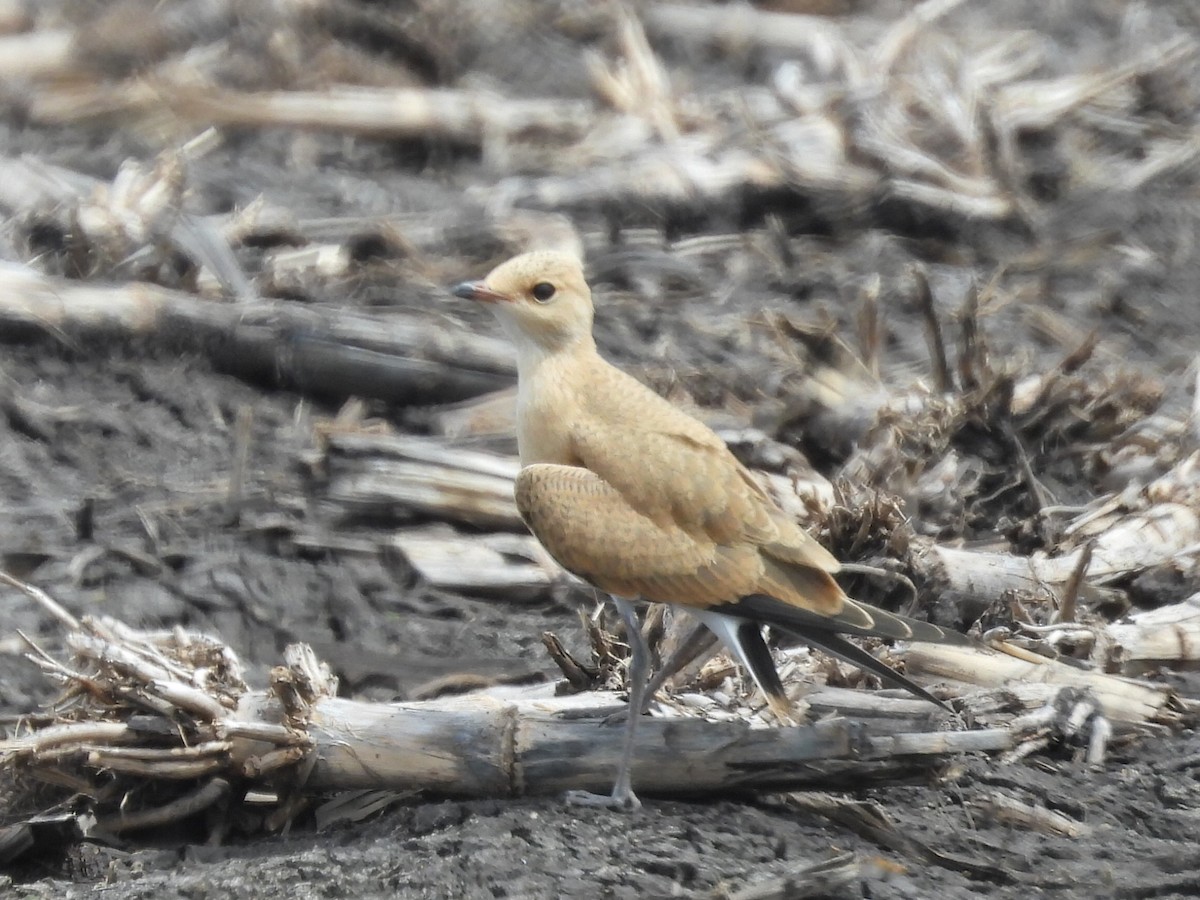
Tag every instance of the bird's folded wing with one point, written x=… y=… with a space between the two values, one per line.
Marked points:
x=677 y=472
x=590 y=528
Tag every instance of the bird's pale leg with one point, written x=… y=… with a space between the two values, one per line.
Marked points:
x=622 y=796
x=700 y=640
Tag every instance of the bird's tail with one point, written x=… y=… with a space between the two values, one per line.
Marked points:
x=825 y=633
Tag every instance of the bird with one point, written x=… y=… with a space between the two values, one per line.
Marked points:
x=640 y=499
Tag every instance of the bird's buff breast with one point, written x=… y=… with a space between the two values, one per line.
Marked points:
x=544 y=422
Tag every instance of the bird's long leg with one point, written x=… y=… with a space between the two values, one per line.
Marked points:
x=639 y=672
x=622 y=796
x=698 y=641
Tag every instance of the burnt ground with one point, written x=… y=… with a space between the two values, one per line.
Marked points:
x=113 y=501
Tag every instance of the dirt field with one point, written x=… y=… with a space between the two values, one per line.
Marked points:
x=135 y=437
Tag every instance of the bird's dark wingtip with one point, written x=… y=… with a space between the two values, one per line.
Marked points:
x=838 y=646
x=856 y=618
x=825 y=633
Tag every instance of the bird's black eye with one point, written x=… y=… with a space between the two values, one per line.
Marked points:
x=543 y=291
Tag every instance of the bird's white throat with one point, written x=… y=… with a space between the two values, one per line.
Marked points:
x=532 y=352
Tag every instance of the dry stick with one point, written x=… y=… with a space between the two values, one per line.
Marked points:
x=1066 y=606
x=449 y=494
x=1102 y=731
x=358 y=444
x=870 y=821
x=483 y=746
x=1041 y=498
x=152 y=662
x=1029 y=817
x=383 y=475
x=47 y=663
x=870 y=338
x=824 y=879
x=577 y=677
x=186 y=806
x=507 y=566
x=744 y=26
x=257 y=767
x=36 y=54
x=70 y=734
x=184 y=770
x=899 y=38
x=43 y=599
x=1123 y=543
x=237 y=470
x=933 y=332
x=190 y=752
x=464 y=117
x=970 y=366
x=157 y=683
x=264 y=732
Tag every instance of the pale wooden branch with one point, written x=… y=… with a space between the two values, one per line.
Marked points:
x=44 y=600
x=743 y=25
x=1149 y=640
x=824 y=879
x=1122 y=699
x=509 y=566
x=1029 y=817
x=38 y=54
x=376 y=475
x=466 y=117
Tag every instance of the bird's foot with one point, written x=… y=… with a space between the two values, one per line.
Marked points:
x=620 y=800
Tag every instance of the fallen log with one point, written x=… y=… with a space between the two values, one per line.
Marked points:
x=393 y=477
x=511 y=567
x=402 y=359
x=171 y=708
x=484 y=746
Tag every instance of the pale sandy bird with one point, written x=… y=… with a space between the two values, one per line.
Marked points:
x=641 y=500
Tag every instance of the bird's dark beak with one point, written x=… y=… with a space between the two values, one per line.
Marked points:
x=477 y=290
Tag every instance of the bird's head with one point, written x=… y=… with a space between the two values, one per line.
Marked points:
x=540 y=298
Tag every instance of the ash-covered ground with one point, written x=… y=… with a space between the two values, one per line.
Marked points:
x=135 y=437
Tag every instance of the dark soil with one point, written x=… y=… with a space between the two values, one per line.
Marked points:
x=115 y=505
